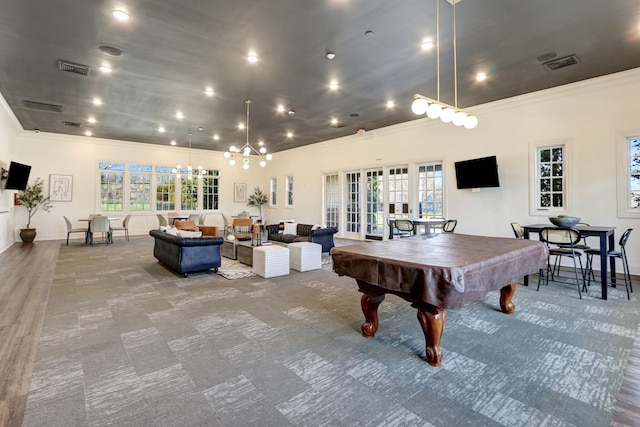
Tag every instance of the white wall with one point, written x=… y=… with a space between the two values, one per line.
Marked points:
x=588 y=114
x=79 y=156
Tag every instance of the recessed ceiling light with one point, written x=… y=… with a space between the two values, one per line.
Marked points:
x=173 y=142
x=88 y=133
x=289 y=134
x=200 y=128
x=280 y=109
x=179 y=115
x=161 y=129
x=260 y=143
x=368 y=33
x=208 y=91
x=427 y=44
x=105 y=69
x=241 y=126
x=334 y=121
x=481 y=77
x=331 y=55
x=216 y=137
x=252 y=58
x=334 y=85
x=120 y=14
x=91 y=119
x=390 y=104
x=97 y=101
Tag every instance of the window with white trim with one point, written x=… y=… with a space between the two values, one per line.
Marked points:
x=352 y=193
x=331 y=200
x=188 y=193
x=628 y=147
x=289 y=186
x=398 y=182
x=211 y=190
x=550 y=178
x=111 y=187
x=140 y=188
x=273 y=191
x=430 y=191
x=165 y=188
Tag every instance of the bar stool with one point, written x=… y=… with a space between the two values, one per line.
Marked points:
x=621 y=254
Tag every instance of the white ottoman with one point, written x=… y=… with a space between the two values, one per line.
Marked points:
x=305 y=256
x=270 y=261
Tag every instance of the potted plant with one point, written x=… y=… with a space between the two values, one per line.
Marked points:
x=33 y=198
x=257 y=200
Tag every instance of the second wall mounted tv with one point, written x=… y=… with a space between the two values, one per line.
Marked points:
x=17 y=177
x=477 y=173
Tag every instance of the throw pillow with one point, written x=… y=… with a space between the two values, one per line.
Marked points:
x=290 y=228
x=186 y=233
x=172 y=231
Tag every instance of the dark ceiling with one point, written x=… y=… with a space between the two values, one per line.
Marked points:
x=173 y=49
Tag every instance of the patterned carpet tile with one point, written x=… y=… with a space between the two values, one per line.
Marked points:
x=127 y=342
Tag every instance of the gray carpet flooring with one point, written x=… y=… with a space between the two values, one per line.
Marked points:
x=127 y=342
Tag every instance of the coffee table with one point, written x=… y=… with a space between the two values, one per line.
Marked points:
x=239 y=250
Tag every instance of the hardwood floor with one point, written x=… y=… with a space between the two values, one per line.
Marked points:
x=26 y=274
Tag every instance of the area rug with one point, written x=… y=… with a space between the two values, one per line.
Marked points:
x=127 y=342
x=233 y=269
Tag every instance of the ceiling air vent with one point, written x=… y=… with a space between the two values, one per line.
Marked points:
x=42 y=106
x=72 y=124
x=558 y=63
x=71 y=67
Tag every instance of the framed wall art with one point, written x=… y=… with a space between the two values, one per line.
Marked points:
x=60 y=187
x=239 y=192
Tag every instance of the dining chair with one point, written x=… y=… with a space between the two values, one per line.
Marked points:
x=202 y=218
x=405 y=227
x=517 y=230
x=70 y=229
x=621 y=254
x=450 y=225
x=579 y=246
x=194 y=217
x=562 y=236
x=124 y=227
x=162 y=220
x=100 y=224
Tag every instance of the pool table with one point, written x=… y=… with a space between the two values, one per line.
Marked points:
x=436 y=274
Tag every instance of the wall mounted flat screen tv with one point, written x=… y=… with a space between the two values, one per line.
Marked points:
x=477 y=173
x=17 y=177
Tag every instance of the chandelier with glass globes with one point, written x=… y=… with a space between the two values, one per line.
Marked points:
x=190 y=171
x=247 y=152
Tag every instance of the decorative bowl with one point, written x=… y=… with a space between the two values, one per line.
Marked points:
x=565 y=221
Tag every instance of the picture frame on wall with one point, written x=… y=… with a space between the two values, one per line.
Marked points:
x=239 y=192
x=60 y=188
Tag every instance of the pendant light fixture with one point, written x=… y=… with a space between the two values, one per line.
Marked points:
x=434 y=108
x=247 y=152
x=190 y=172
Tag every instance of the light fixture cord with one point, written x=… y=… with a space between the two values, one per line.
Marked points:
x=248 y=101
x=438 y=45
x=455 y=58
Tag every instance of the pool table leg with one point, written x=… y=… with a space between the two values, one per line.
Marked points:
x=506 y=294
x=370 y=302
x=432 y=319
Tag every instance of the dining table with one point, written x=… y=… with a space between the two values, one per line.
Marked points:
x=606 y=236
x=427 y=223
x=89 y=237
